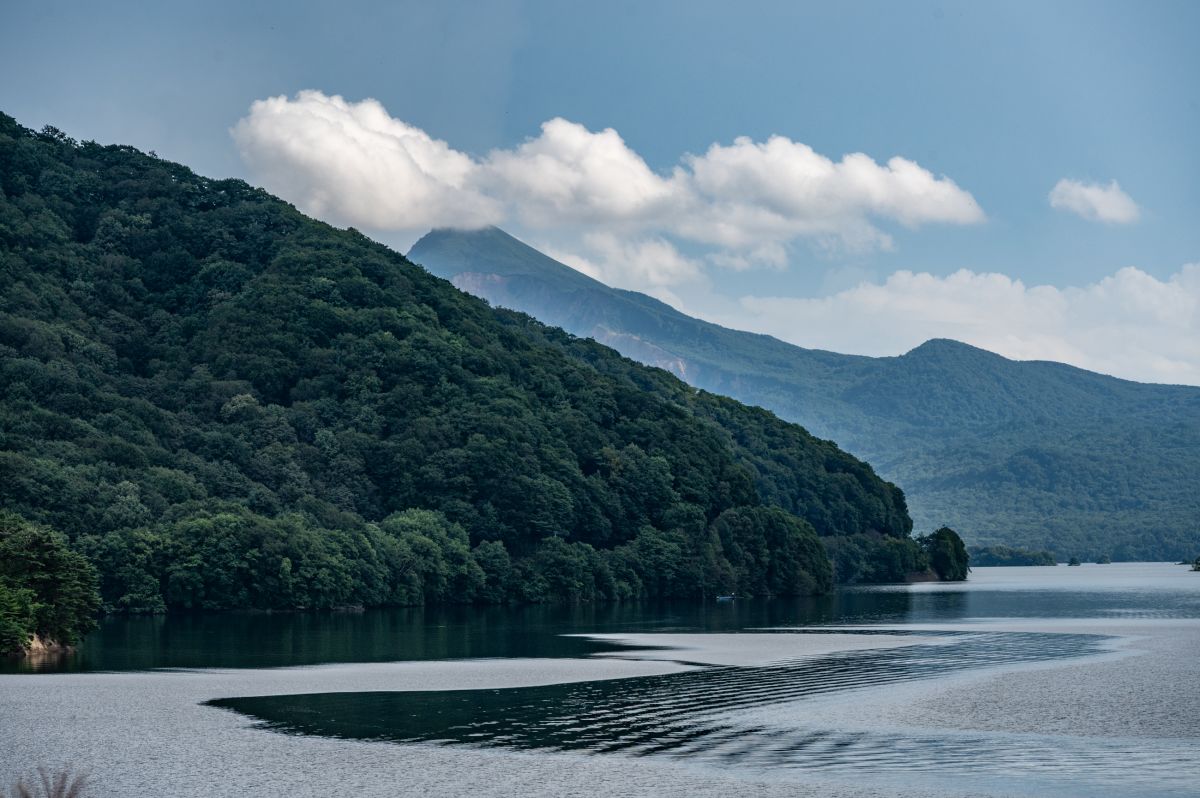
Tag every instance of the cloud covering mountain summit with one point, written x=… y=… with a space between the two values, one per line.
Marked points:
x=355 y=163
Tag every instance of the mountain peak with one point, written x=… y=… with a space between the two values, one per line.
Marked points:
x=448 y=252
x=487 y=233
x=943 y=346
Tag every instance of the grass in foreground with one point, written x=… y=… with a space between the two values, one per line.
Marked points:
x=49 y=784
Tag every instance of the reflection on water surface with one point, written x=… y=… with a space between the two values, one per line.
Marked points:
x=261 y=640
x=700 y=716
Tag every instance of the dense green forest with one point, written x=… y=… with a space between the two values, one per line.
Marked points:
x=223 y=403
x=1028 y=454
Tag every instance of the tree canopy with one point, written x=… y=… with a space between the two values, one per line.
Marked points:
x=1007 y=555
x=947 y=555
x=46 y=589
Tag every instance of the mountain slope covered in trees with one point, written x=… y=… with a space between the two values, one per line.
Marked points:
x=223 y=403
x=1031 y=454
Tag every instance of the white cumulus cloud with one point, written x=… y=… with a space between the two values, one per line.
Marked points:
x=570 y=175
x=353 y=163
x=782 y=189
x=1094 y=201
x=1129 y=324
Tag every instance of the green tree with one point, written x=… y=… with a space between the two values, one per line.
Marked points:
x=49 y=590
x=435 y=558
x=947 y=554
x=18 y=618
x=773 y=553
x=493 y=560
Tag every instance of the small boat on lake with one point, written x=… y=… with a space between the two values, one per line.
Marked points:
x=725 y=598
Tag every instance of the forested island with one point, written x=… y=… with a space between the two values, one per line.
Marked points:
x=1007 y=556
x=216 y=402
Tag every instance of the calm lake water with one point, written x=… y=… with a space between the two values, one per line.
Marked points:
x=1021 y=681
x=267 y=640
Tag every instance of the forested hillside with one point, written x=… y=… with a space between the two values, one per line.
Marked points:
x=1030 y=454
x=223 y=403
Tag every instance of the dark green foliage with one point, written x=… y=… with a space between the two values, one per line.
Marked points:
x=17 y=617
x=1005 y=555
x=1073 y=561
x=493 y=560
x=947 y=555
x=872 y=558
x=1036 y=455
x=46 y=589
x=224 y=403
x=433 y=554
x=558 y=569
x=773 y=553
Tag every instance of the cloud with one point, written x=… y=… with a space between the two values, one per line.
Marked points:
x=651 y=266
x=781 y=189
x=773 y=255
x=353 y=163
x=1129 y=324
x=1095 y=202
x=737 y=206
x=570 y=175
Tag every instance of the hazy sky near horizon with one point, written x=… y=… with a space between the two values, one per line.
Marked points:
x=852 y=176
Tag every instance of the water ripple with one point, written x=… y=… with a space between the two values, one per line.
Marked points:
x=694 y=715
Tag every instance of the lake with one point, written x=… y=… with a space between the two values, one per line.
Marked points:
x=1022 y=681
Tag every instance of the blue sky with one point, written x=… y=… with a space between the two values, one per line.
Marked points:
x=1003 y=100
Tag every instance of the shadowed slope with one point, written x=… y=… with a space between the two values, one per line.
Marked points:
x=1035 y=454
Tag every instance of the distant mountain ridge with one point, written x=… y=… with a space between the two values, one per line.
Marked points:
x=1036 y=454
